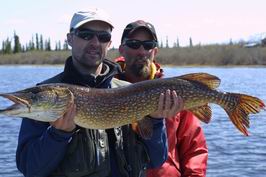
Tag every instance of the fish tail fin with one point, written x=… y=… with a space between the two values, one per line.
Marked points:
x=239 y=106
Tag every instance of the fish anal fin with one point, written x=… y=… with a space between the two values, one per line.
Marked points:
x=203 y=113
x=209 y=80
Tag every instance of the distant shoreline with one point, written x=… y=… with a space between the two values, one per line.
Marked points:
x=203 y=56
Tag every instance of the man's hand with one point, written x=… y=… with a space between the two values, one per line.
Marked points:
x=167 y=107
x=66 y=122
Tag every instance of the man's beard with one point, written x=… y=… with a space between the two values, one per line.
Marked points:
x=140 y=70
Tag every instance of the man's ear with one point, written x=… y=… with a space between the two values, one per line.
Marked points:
x=156 y=49
x=69 y=39
x=109 y=44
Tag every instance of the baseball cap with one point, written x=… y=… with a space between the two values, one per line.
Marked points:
x=131 y=27
x=92 y=14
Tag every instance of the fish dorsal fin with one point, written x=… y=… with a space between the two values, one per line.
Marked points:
x=207 y=79
x=203 y=113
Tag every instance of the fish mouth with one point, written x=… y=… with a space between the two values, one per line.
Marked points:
x=18 y=102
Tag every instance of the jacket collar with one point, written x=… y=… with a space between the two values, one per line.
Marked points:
x=72 y=76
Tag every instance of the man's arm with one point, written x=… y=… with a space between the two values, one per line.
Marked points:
x=157 y=145
x=40 y=148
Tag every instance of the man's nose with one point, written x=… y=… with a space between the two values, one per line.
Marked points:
x=95 y=40
x=141 y=50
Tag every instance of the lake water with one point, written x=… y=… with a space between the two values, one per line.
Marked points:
x=230 y=153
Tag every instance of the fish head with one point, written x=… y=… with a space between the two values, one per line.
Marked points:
x=43 y=103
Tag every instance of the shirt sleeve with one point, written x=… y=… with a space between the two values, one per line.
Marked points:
x=157 y=145
x=40 y=148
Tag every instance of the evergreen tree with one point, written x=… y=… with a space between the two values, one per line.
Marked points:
x=17 y=45
x=59 y=45
x=166 y=42
x=32 y=43
x=190 y=42
x=26 y=47
x=7 y=47
x=41 y=43
x=23 y=49
x=56 y=47
x=161 y=46
x=3 y=47
x=37 y=41
x=65 y=46
x=230 y=42
x=177 y=43
x=48 y=45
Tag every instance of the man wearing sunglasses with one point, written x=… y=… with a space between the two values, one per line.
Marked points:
x=187 y=149
x=61 y=148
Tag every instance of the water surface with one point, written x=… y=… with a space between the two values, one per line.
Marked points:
x=230 y=153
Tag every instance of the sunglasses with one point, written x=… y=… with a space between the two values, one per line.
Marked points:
x=135 y=44
x=88 y=34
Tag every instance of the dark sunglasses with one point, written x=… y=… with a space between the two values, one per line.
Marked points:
x=88 y=34
x=135 y=44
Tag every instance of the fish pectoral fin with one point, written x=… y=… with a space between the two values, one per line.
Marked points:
x=209 y=80
x=143 y=127
x=203 y=113
x=66 y=98
x=69 y=96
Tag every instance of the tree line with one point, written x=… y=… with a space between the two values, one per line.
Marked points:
x=37 y=43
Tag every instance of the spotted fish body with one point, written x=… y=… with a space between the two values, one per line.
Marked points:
x=108 y=108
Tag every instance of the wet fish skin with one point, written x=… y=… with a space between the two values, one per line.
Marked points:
x=108 y=108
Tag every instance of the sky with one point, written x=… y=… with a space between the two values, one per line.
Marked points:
x=205 y=21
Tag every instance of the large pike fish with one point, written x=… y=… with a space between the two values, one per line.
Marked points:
x=108 y=108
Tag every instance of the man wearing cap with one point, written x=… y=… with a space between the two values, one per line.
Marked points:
x=187 y=149
x=61 y=148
